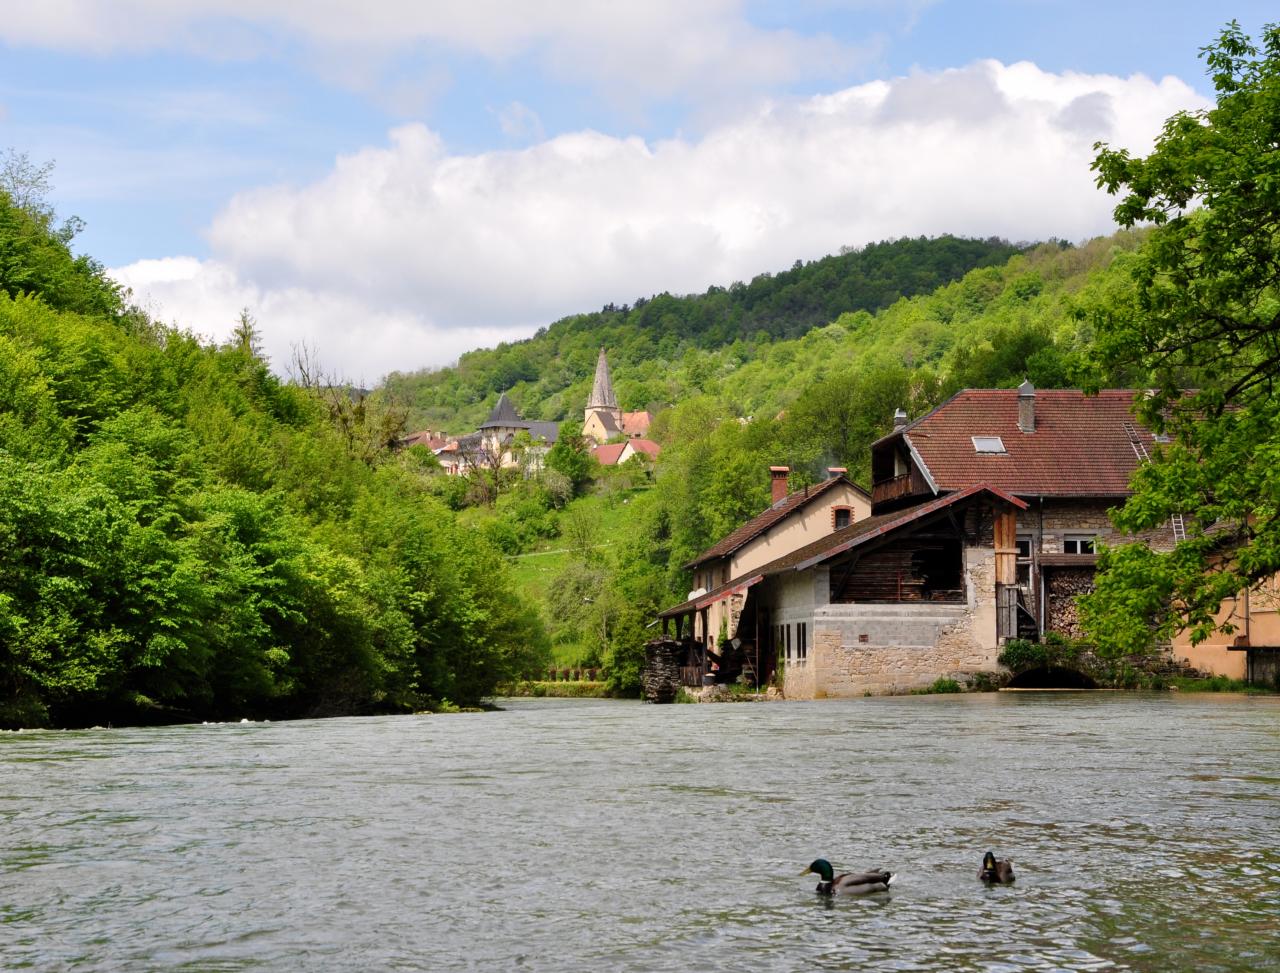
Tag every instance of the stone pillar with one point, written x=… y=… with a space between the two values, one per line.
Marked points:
x=661 y=676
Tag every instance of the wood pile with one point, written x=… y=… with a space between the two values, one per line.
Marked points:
x=1064 y=586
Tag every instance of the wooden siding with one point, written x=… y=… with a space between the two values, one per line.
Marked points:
x=1006 y=543
x=927 y=570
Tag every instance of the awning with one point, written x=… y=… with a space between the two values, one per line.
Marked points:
x=735 y=587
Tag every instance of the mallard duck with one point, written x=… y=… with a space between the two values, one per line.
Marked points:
x=995 y=871
x=849 y=883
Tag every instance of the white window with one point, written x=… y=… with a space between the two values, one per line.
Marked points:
x=988 y=444
x=802 y=640
x=1078 y=543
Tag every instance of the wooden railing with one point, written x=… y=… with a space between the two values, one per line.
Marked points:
x=892 y=489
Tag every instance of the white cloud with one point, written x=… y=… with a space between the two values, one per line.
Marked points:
x=632 y=49
x=404 y=255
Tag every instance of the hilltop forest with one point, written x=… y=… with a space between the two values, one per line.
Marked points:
x=664 y=347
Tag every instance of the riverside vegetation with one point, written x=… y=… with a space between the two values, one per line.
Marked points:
x=187 y=535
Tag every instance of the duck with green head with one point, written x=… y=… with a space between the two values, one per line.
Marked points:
x=995 y=871
x=848 y=883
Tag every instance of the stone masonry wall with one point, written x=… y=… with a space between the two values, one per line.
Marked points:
x=1061 y=517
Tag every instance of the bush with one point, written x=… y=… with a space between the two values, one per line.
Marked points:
x=1019 y=655
x=940 y=685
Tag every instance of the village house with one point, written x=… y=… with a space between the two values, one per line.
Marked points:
x=792 y=520
x=984 y=525
x=1252 y=651
x=615 y=454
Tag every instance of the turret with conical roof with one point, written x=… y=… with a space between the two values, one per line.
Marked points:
x=602 y=419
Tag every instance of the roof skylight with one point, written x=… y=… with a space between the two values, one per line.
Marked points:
x=988 y=444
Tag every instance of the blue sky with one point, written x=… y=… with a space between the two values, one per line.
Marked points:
x=207 y=139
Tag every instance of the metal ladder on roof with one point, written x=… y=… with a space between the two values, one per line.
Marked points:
x=1176 y=521
x=1139 y=447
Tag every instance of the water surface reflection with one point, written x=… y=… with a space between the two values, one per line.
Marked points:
x=597 y=835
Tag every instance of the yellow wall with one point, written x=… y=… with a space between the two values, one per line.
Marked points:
x=809 y=524
x=1257 y=616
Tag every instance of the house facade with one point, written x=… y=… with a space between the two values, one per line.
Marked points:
x=985 y=519
x=793 y=520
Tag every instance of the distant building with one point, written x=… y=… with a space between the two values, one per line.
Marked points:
x=603 y=419
x=615 y=454
x=984 y=524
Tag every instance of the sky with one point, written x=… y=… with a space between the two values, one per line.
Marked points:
x=390 y=183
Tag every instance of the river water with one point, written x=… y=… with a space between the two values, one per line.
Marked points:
x=593 y=835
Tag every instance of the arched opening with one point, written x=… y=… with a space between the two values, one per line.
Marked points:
x=1051 y=677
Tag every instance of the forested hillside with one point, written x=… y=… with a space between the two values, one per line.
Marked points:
x=806 y=403
x=657 y=347
x=184 y=536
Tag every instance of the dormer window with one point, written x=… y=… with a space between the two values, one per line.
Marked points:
x=988 y=445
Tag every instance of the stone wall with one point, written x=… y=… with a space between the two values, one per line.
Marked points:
x=1054 y=519
x=875 y=649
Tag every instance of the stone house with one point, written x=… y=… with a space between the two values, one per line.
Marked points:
x=791 y=521
x=985 y=519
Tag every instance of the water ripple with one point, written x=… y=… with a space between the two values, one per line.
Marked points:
x=585 y=835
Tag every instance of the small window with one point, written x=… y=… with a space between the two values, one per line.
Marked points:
x=1078 y=543
x=802 y=640
x=988 y=444
x=841 y=517
x=1023 y=544
x=787 y=637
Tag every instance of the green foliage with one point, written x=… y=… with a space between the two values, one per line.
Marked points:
x=1203 y=314
x=1020 y=655
x=942 y=685
x=183 y=536
x=571 y=456
x=1220 y=684
x=666 y=347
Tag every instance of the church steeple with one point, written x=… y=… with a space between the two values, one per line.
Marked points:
x=602 y=396
x=602 y=419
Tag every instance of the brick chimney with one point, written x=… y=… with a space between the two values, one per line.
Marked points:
x=899 y=420
x=778 y=481
x=834 y=471
x=1027 y=406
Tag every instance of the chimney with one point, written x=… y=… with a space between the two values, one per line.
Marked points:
x=1027 y=406
x=778 y=481
x=900 y=420
x=834 y=471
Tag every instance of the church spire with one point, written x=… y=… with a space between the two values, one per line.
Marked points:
x=602 y=396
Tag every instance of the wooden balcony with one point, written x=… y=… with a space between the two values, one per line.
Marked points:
x=892 y=489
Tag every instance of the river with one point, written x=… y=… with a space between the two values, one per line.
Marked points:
x=595 y=835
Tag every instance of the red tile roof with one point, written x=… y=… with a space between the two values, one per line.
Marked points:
x=636 y=423
x=1081 y=445
x=855 y=535
x=758 y=524
x=646 y=446
x=607 y=455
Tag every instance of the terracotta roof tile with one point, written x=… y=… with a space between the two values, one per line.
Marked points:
x=607 y=455
x=1081 y=445
x=636 y=423
x=837 y=542
x=646 y=446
